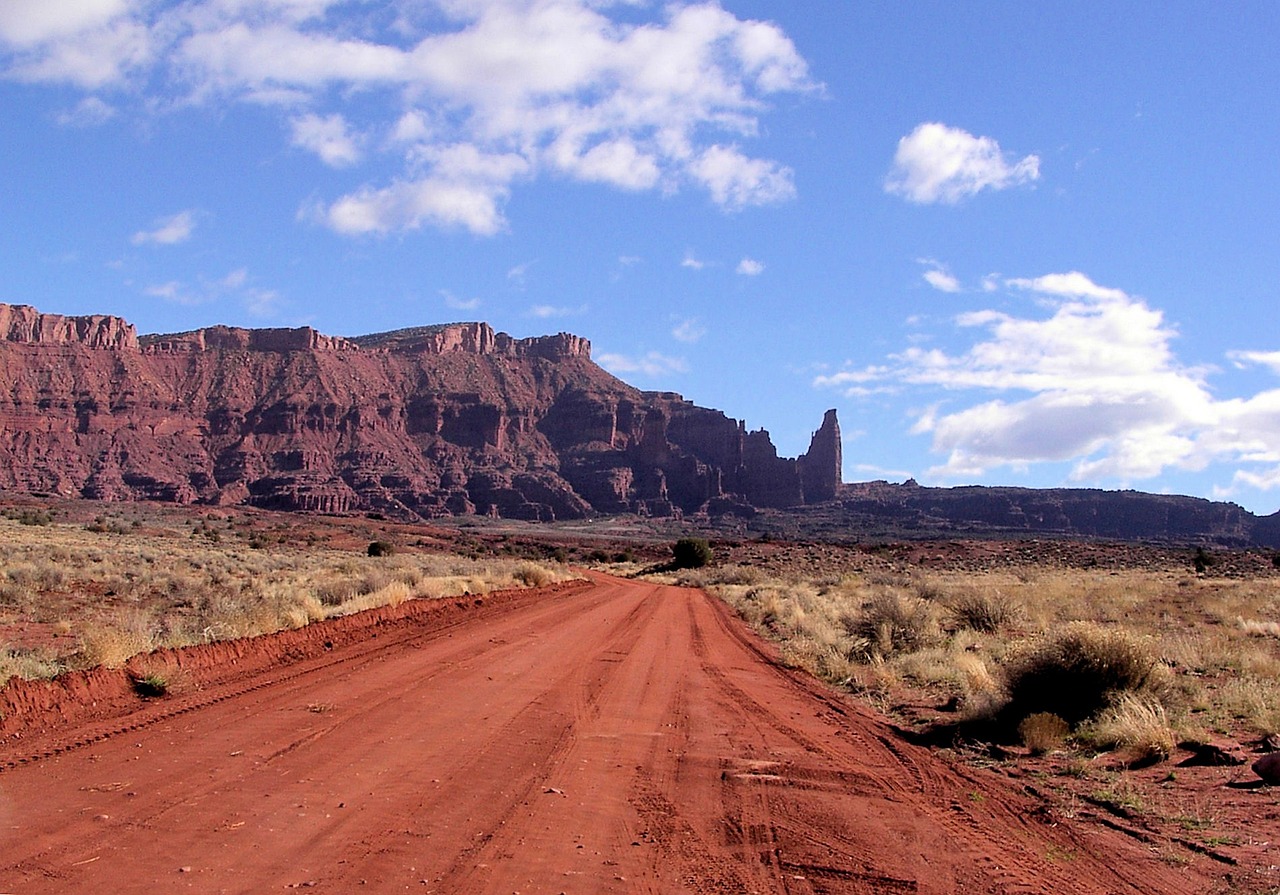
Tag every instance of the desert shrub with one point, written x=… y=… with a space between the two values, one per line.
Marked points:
x=113 y=643
x=1075 y=673
x=691 y=553
x=151 y=685
x=1043 y=732
x=381 y=548
x=982 y=610
x=891 y=622
x=336 y=592
x=29 y=664
x=532 y=575
x=1136 y=723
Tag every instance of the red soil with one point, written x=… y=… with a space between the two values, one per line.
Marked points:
x=622 y=737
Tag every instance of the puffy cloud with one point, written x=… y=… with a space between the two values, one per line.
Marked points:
x=1068 y=285
x=939 y=277
x=736 y=181
x=328 y=137
x=1093 y=382
x=692 y=262
x=464 y=189
x=750 y=267
x=936 y=163
x=652 y=364
x=168 y=231
x=93 y=58
x=25 y=22
x=629 y=95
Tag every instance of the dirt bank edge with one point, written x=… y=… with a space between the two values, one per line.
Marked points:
x=33 y=712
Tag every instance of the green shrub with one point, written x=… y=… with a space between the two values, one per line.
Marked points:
x=1077 y=672
x=151 y=685
x=691 y=553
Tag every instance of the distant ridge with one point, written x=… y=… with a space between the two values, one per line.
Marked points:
x=448 y=419
x=457 y=419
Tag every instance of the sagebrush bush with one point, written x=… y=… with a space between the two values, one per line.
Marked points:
x=1077 y=672
x=892 y=622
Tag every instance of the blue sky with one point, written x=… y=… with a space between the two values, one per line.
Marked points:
x=1030 y=244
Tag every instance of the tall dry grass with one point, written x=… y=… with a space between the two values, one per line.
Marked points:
x=115 y=592
x=1147 y=656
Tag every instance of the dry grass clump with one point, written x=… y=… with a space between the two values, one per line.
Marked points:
x=531 y=574
x=1253 y=701
x=982 y=609
x=1136 y=723
x=112 y=642
x=1043 y=732
x=30 y=664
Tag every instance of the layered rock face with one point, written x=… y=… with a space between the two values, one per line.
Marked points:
x=431 y=421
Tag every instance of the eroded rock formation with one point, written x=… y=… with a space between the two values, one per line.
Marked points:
x=431 y=421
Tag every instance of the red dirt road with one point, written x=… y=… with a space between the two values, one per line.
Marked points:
x=624 y=738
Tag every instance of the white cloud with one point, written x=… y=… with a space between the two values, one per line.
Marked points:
x=736 y=181
x=939 y=277
x=635 y=96
x=25 y=22
x=328 y=137
x=173 y=292
x=167 y=231
x=458 y=304
x=1269 y=359
x=692 y=262
x=89 y=112
x=547 y=312
x=653 y=364
x=236 y=278
x=691 y=330
x=87 y=43
x=1068 y=285
x=937 y=163
x=1093 y=382
x=749 y=267
x=262 y=303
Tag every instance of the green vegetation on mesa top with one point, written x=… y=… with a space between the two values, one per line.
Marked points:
x=400 y=335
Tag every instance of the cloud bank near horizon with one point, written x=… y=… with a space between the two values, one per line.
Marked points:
x=1094 y=383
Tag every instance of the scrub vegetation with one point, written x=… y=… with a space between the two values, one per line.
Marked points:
x=79 y=596
x=1049 y=658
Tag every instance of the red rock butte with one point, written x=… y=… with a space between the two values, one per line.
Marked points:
x=453 y=419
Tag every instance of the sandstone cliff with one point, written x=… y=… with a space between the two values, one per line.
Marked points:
x=430 y=421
